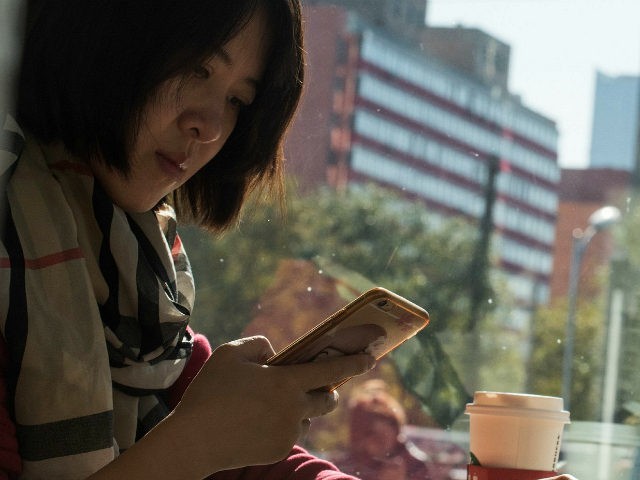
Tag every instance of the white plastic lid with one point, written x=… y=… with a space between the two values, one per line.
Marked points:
x=518 y=405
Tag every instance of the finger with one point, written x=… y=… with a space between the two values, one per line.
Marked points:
x=255 y=349
x=331 y=370
x=320 y=403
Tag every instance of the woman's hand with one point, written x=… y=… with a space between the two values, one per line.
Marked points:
x=236 y=412
x=241 y=412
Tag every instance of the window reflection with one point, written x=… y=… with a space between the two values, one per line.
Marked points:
x=425 y=110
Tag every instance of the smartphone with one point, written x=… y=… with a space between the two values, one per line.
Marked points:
x=375 y=323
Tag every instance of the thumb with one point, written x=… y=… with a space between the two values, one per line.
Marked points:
x=255 y=349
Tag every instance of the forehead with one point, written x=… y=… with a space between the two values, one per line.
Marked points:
x=245 y=53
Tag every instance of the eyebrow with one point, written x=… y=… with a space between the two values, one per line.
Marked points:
x=225 y=58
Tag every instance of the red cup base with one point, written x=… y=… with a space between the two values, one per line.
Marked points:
x=476 y=472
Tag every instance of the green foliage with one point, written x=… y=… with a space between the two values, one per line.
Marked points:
x=393 y=243
x=369 y=235
x=425 y=370
x=625 y=280
x=371 y=231
x=546 y=361
x=628 y=234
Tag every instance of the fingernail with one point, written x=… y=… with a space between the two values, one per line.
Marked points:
x=371 y=362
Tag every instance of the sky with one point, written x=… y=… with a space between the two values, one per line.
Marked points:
x=556 y=48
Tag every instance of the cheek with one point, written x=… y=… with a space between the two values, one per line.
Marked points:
x=208 y=151
x=228 y=128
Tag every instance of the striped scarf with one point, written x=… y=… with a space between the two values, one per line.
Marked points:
x=75 y=270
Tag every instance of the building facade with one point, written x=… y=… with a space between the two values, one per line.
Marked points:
x=383 y=110
x=582 y=192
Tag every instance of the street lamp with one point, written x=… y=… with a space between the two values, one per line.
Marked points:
x=601 y=219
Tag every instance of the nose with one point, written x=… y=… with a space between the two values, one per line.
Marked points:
x=202 y=124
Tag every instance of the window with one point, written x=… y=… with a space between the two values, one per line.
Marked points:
x=431 y=107
x=440 y=160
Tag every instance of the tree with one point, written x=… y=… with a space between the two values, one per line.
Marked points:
x=546 y=361
x=370 y=230
x=625 y=281
x=377 y=236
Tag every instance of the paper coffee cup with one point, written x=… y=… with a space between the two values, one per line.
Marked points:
x=515 y=430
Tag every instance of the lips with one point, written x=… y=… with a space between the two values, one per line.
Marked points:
x=171 y=163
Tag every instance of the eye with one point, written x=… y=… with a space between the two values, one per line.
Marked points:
x=201 y=72
x=238 y=103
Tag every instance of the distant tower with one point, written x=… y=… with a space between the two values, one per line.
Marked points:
x=615 y=122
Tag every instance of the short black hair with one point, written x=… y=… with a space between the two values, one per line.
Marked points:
x=89 y=67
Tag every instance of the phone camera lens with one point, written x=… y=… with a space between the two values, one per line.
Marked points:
x=384 y=305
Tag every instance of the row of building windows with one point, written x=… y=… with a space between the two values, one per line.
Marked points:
x=531 y=259
x=536 y=228
x=528 y=192
x=527 y=159
x=419 y=146
x=384 y=169
x=428 y=75
x=465 y=164
x=427 y=114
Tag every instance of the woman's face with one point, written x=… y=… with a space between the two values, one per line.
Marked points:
x=189 y=122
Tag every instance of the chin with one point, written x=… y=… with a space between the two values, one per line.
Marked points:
x=140 y=206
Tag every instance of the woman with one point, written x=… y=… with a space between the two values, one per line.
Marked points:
x=128 y=111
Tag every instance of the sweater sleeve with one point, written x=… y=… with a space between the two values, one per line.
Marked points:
x=199 y=355
x=299 y=465
x=10 y=461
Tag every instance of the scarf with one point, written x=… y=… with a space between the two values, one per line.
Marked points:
x=94 y=306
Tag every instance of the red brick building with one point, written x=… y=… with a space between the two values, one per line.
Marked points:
x=581 y=193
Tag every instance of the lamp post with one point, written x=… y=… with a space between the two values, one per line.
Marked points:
x=599 y=220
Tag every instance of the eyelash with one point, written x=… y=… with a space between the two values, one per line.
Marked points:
x=238 y=103
x=204 y=73
x=201 y=72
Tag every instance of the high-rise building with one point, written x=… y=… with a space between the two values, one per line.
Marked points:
x=616 y=117
x=382 y=109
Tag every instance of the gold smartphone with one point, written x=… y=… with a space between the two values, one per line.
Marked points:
x=375 y=323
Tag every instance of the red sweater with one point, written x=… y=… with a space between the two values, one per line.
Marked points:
x=299 y=465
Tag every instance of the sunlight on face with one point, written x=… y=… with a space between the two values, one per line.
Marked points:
x=178 y=138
